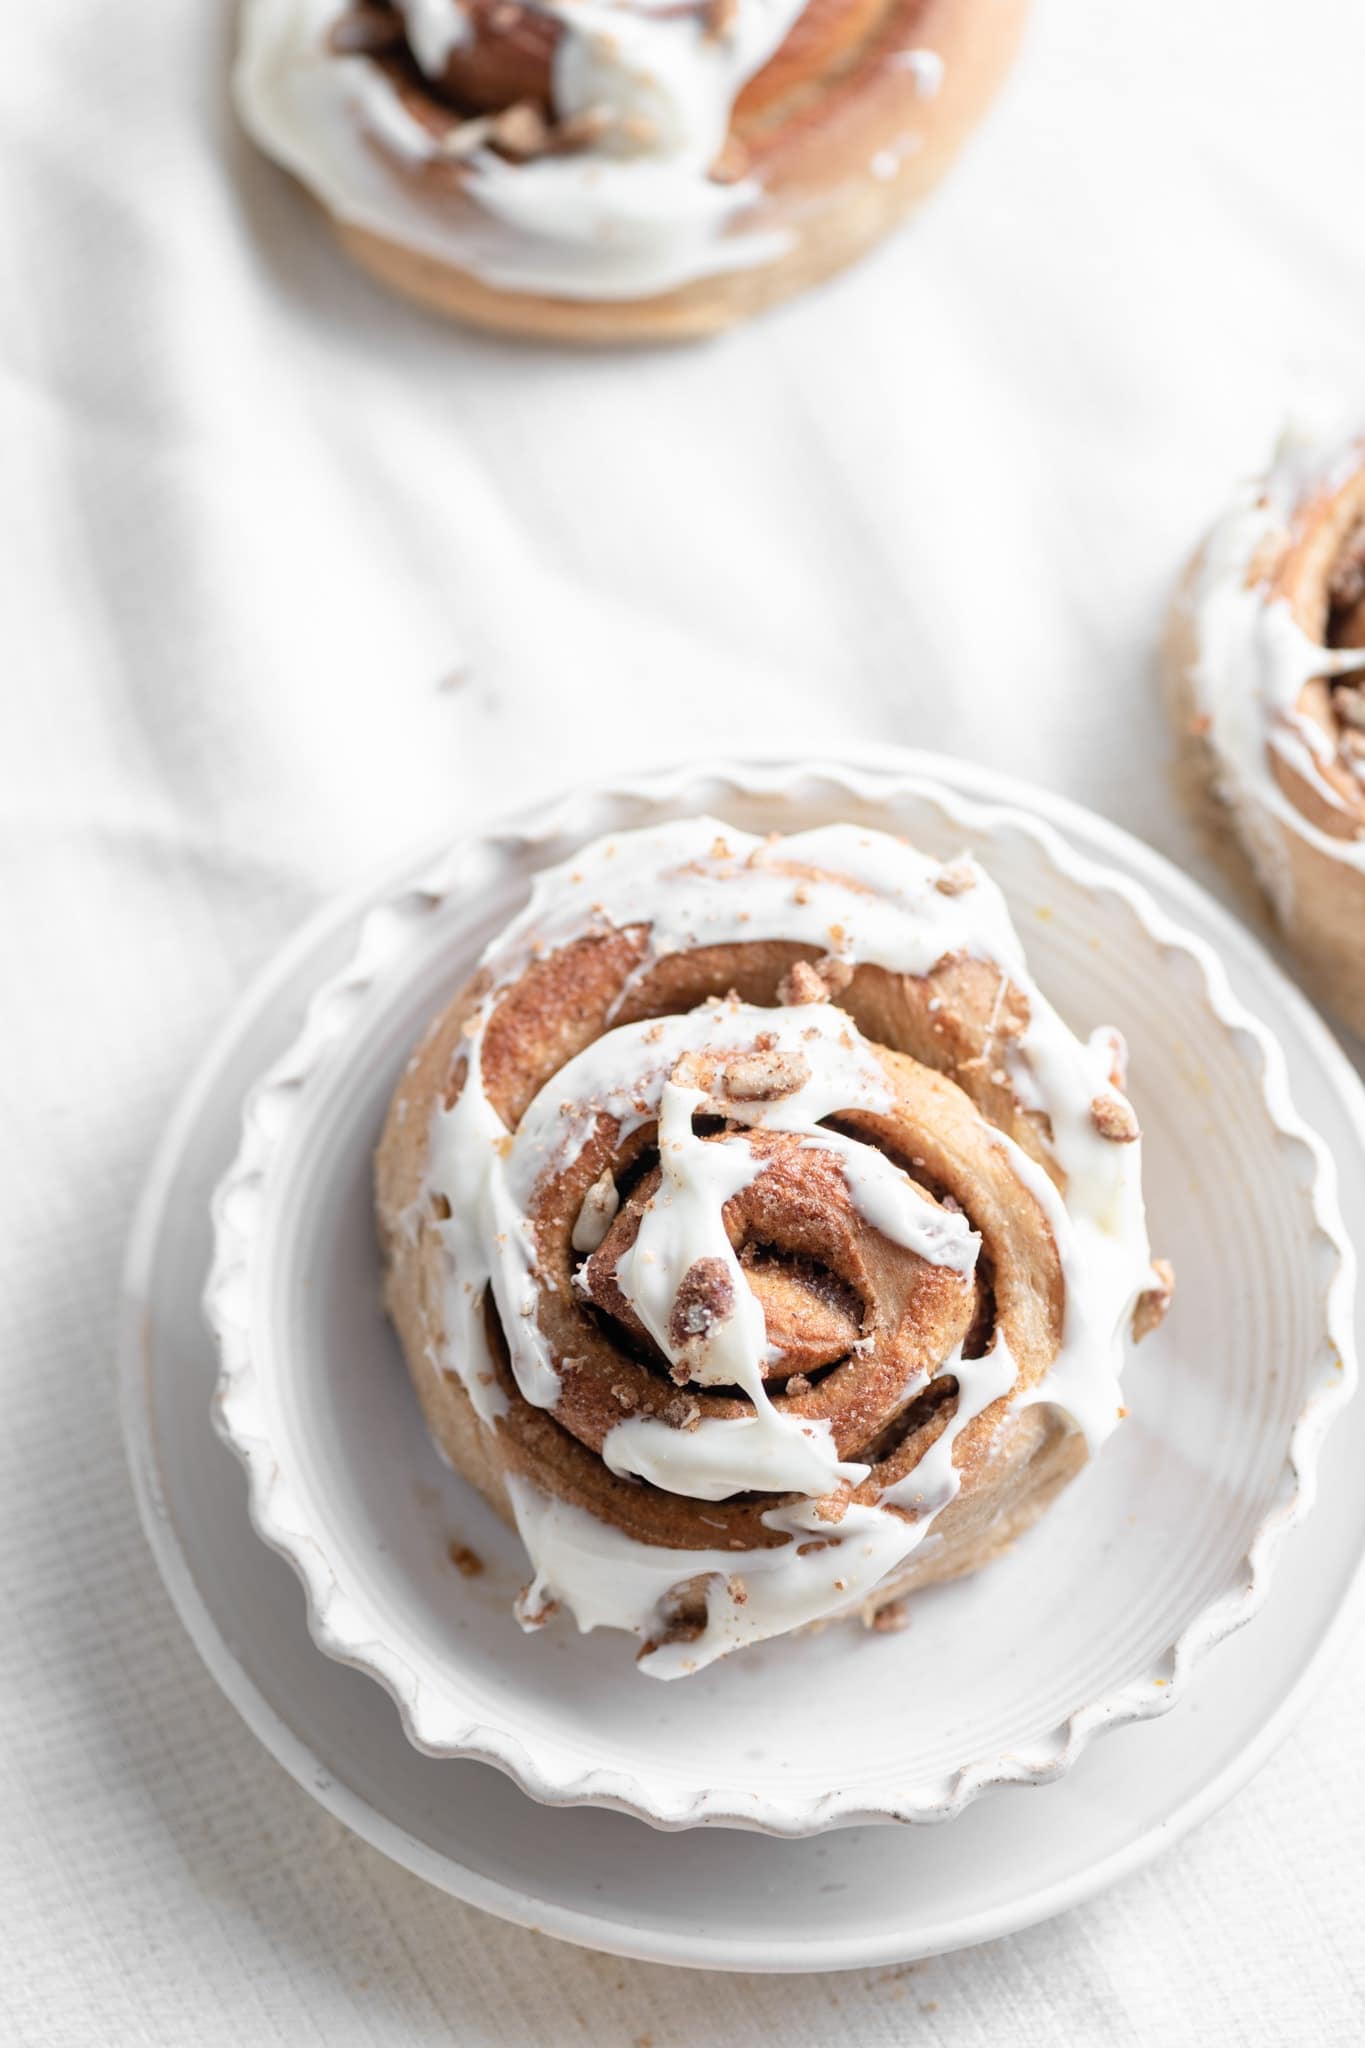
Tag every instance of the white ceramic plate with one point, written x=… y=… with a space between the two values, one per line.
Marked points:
x=857 y=1897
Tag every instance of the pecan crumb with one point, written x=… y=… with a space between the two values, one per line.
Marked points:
x=890 y=1619
x=1152 y=1305
x=681 y=1414
x=835 y=973
x=1113 y=1119
x=766 y=1076
x=705 y=1297
x=466 y=1561
x=737 y=1590
x=801 y=984
x=955 y=878
x=687 y=1071
x=834 y=1506
x=798 y=1385
x=625 y=1396
x=521 y=130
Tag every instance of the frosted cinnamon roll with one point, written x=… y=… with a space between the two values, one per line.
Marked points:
x=616 y=170
x=761 y=1242
x=1265 y=668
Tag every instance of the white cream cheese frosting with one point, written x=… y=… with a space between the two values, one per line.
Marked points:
x=1253 y=659
x=631 y=213
x=870 y=899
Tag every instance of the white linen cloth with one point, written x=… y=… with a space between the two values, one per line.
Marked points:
x=289 y=575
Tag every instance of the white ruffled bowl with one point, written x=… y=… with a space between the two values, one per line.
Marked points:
x=1161 y=1548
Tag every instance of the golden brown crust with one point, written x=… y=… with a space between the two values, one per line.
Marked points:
x=823 y=127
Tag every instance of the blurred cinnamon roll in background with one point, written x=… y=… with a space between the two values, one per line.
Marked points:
x=616 y=170
x=1265 y=673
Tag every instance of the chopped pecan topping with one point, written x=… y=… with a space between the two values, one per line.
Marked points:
x=835 y=973
x=955 y=877
x=688 y=1072
x=1152 y=1305
x=766 y=1076
x=705 y=1297
x=521 y=130
x=834 y=1506
x=804 y=983
x=801 y=984
x=1113 y=1119
x=682 y=1414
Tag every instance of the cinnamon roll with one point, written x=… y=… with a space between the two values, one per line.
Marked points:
x=616 y=170
x=761 y=1242
x=1265 y=671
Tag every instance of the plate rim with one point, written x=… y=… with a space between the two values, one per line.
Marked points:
x=1038 y=808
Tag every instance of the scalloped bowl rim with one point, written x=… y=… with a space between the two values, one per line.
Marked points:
x=358 y=1643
